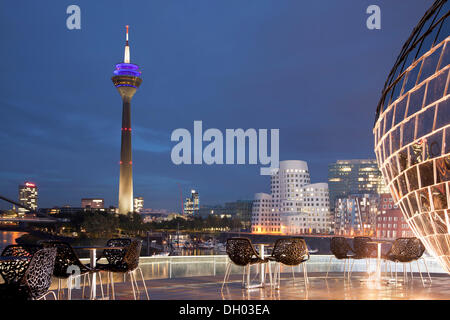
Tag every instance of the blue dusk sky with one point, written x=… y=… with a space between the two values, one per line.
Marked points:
x=309 y=68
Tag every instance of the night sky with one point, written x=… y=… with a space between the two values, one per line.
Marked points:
x=309 y=68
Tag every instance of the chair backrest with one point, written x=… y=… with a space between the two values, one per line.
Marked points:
x=20 y=250
x=13 y=271
x=240 y=251
x=415 y=248
x=116 y=256
x=290 y=251
x=362 y=248
x=407 y=249
x=132 y=254
x=38 y=276
x=65 y=257
x=339 y=247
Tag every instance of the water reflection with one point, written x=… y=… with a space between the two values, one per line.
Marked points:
x=9 y=237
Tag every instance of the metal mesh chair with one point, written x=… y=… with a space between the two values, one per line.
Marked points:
x=36 y=281
x=290 y=252
x=341 y=250
x=407 y=250
x=241 y=252
x=128 y=264
x=13 y=271
x=68 y=266
x=362 y=250
x=115 y=256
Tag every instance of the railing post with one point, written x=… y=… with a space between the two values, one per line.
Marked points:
x=170 y=268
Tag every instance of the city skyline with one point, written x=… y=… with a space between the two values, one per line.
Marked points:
x=70 y=155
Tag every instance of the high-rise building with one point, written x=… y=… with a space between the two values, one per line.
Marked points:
x=412 y=132
x=138 y=204
x=192 y=204
x=28 y=196
x=390 y=221
x=356 y=215
x=93 y=203
x=356 y=176
x=295 y=205
x=127 y=78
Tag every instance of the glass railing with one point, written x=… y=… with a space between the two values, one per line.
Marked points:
x=214 y=265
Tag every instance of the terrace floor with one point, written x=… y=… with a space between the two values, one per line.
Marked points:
x=319 y=288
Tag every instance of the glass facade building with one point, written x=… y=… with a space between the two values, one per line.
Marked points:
x=412 y=132
x=356 y=176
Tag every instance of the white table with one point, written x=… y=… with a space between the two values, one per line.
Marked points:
x=377 y=275
x=93 y=263
x=262 y=274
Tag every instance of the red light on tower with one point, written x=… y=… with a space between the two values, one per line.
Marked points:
x=30 y=184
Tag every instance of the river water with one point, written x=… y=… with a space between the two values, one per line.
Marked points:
x=9 y=237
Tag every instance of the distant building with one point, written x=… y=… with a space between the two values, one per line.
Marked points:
x=390 y=221
x=295 y=206
x=93 y=203
x=357 y=176
x=138 y=204
x=28 y=196
x=355 y=215
x=192 y=204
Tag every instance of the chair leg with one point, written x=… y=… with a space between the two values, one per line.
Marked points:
x=101 y=284
x=345 y=266
x=84 y=286
x=112 y=285
x=351 y=269
x=143 y=283
x=293 y=275
x=410 y=270
x=135 y=282
x=420 y=273
x=426 y=267
x=226 y=273
x=59 y=288
x=270 y=274
x=132 y=284
x=305 y=274
x=248 y=275
x=69 y=288
x=243 y=277
x=329 y=267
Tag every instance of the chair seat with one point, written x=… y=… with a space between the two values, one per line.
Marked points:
x=84 y=269
x=122 y=268
x=272 y=258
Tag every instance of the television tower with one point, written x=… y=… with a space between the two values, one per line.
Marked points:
x=126 y=79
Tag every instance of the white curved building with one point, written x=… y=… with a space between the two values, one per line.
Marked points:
x=296 y=206
x=262 y=219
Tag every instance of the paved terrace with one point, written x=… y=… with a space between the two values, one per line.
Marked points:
x=200 y=278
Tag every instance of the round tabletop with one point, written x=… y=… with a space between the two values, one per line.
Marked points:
x=98 y=248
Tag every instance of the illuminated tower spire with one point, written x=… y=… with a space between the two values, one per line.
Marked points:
x=126 y=57
x=127 y=78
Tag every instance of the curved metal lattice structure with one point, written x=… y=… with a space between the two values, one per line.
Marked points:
x=412 y=131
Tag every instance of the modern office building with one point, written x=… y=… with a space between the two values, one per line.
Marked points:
x=356 y=176
x=356 y=215
x=138 y=204
x=192 y=204
x=390 y=221
x=412 y=131
x=92 y=203
x=127 y=78
x=296 y=206
x=28 y=196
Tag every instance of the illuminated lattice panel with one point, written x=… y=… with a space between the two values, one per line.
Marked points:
x=412 y=132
